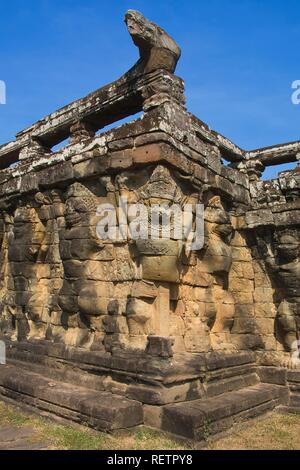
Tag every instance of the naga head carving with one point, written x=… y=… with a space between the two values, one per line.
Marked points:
x=149 y=37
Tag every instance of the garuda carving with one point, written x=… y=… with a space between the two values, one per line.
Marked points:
x=83 y=296
x=216 y=259
x=281 y=254
x=34 y=263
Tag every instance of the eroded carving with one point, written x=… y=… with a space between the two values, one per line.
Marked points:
x=217 y=260
x=281 y=254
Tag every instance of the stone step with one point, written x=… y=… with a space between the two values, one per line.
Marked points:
x=230 y=372
x=101 y=410
x=295 y=400
x=295 y=410
x=293 y=376
x=200 y=419
x=218 y=387
x=235 y=377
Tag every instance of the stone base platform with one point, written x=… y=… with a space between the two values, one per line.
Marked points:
x=200 y=419
x=191 y=396
x=138 y=376
x=100 y=410
x=293 y=380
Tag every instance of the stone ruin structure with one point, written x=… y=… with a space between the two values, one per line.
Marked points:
x=117 y=333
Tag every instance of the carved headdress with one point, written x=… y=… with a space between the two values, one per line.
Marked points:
x=86 y=196
x=161 y=185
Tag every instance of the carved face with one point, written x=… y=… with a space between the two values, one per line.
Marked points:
x=218 y=222
x=79 y=204
x=224 y=228
x=24 y=216
x=75 y=210
x=288 y=245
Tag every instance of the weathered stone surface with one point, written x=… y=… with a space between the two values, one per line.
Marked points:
x=157 y=49
x=159 y=346
x=102 y=410
x=199 y=418
x=15 y=438
x=100 y=285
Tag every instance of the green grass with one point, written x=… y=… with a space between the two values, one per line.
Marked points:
x=274 y=431
x=12 y=416
x=68 y=437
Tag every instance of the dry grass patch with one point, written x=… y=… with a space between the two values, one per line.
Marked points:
x=274 y=431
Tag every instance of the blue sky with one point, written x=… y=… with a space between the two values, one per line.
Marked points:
x=239 y=59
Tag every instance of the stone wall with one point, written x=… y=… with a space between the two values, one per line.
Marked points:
x=61 y=283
